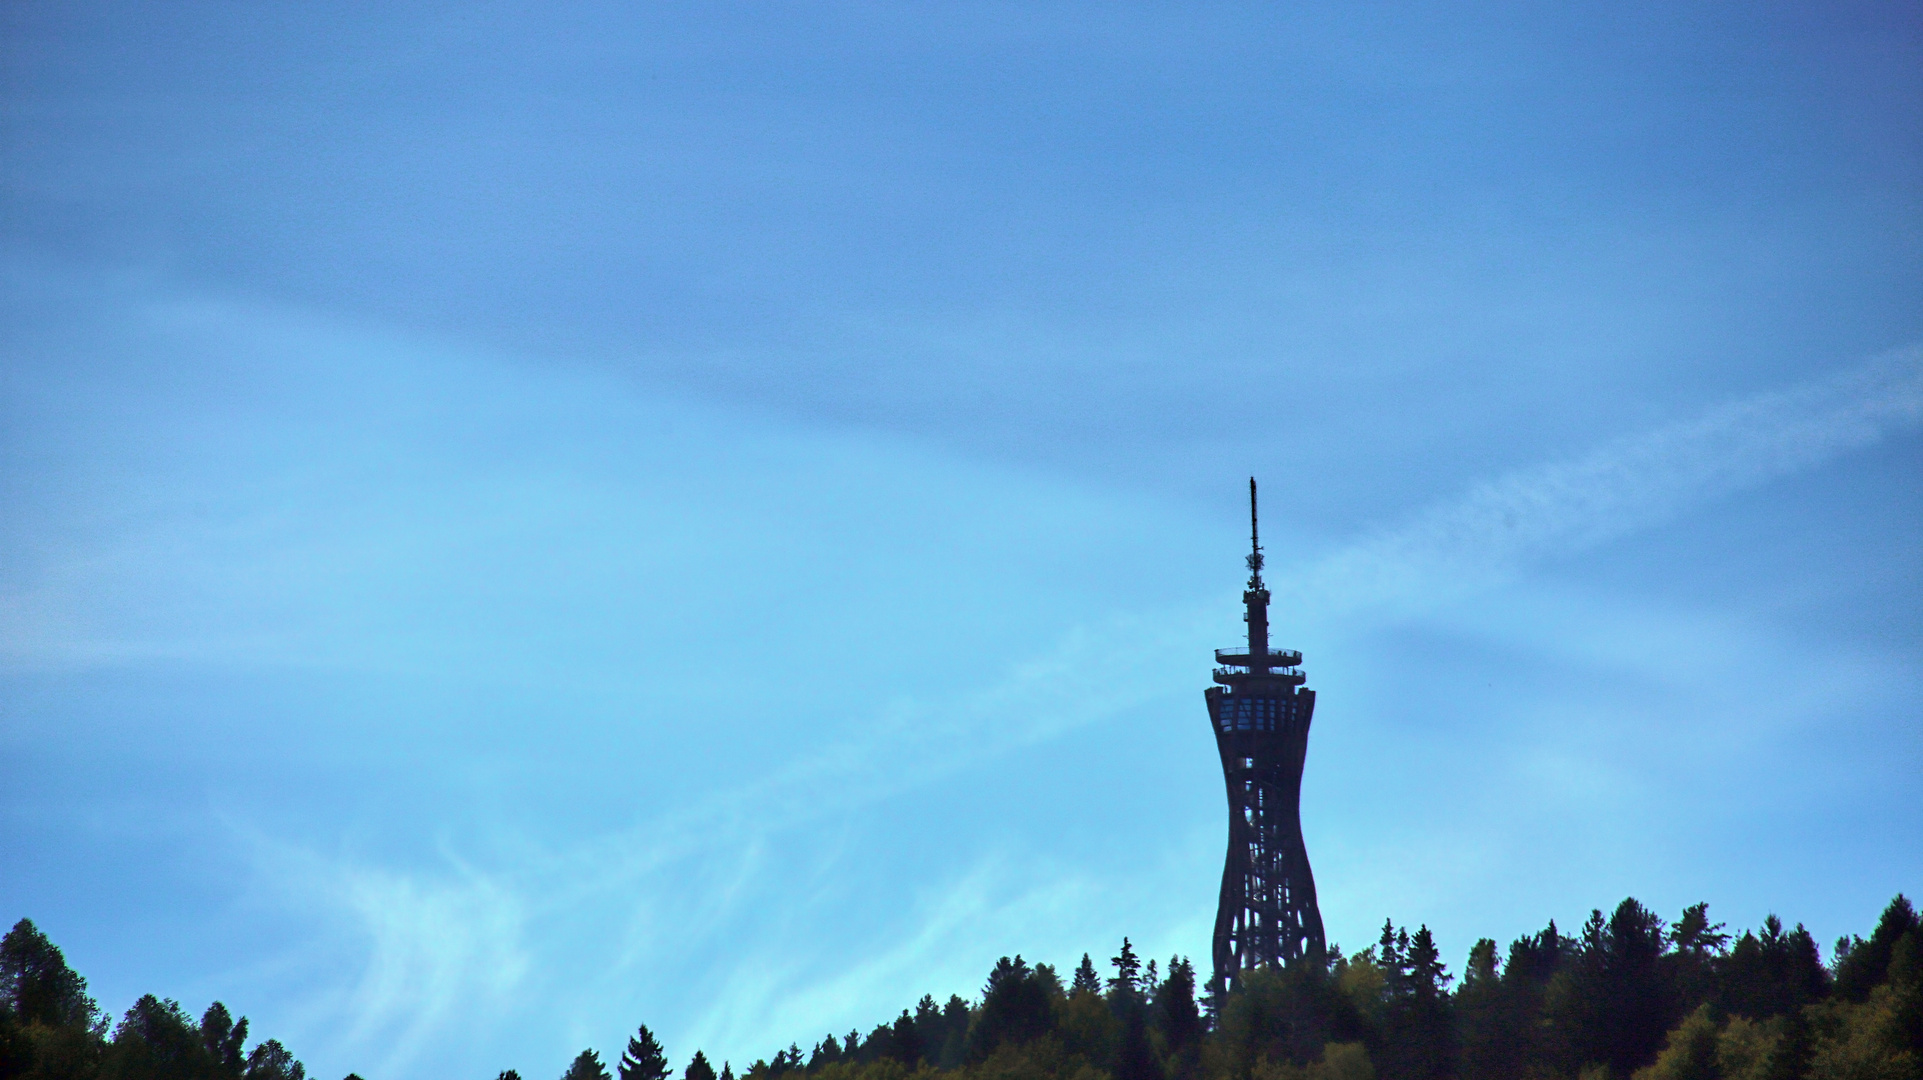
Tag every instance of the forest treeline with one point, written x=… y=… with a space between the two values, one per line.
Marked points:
x=1627 y=996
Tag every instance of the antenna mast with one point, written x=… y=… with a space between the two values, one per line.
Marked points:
x=1255 y=542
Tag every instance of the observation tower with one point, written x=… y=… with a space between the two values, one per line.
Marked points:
x=1260 y=711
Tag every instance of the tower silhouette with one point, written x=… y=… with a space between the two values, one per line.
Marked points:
x=1260 y=711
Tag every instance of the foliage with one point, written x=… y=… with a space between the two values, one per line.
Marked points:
x=1631 y=997
x=586 y=1066
x=51 y=1030
x=644 y=1059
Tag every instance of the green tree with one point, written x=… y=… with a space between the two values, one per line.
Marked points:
x=1774 y=973
x=1418 y=1041
x=825 y=1053
x=1174 y=1006
x=271 y=1061
x=955 y=1018
x=36 y=983
x=904 y=1041
x=1086 y=979
x=1135 y=1058
x=1618 y=1004
x=586 y=1066
x=1861 y=966
x=644 y=1059
x=931 y=1029
x=699 y=1069
x=1128 y=969
x=1696 y=949
x=1015 y=1009
x=223 y=1037
x=1485 y=1038
x=1283 y=1017
x=154 y=1039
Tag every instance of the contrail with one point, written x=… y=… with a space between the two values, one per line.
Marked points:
x=1098 y=672
x=1568 y=506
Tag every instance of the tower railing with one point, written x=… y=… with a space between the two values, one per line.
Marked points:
x=1240 y=656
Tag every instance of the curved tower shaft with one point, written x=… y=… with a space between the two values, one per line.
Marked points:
x=1260 y=711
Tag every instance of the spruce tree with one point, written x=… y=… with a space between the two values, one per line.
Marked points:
x=1175 y=1005
x=1085 y=978
x=699 y=1069
x=587 y=1066
x=644 y=1059
x=1860 y=965
x=1128 y=969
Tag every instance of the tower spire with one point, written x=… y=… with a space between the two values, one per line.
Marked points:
x=1255 y=542
x=1256 y=596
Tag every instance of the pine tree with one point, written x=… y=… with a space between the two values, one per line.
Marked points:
x=223 y=1037
x=698 y=1068
x=1086 y=980
x=904 y=1042
x=1127 y=970
x=587 y=1066
x=644 y=1059
x=1175 y=1005
x=1015 y=1008
x=1860 y=965
x=37 y=984
x=271 y=1061
x=727 y=1071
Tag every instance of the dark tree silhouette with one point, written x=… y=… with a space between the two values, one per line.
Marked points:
x=1015 y=1008
x=1128 y=969
x=1086 y=979
x=223 y=1037
x=1772 y=974
x=37 y=984
x=699 y=1069
x=586 y=1066
x=644 y=1058
x=1620 y=1004
x=1175 y=1008
x=1863 y=965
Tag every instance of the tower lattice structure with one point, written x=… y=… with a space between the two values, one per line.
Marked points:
x=1260 y=711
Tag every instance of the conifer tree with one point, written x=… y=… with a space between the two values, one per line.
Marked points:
x=1127 y=970
x=1860 y=965
x=904 y=1042
x=644 y=1059
x=1086 y=979
x=698 y=1068
x=1175 y=1005
x=272 y=1061
x=587 y=1066
x=1015 y=1008
x=36 y=983
x=223 y=1037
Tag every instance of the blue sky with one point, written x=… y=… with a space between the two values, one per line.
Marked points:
x=522 y=522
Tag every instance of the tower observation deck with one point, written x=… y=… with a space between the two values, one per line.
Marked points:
x=1260 y=712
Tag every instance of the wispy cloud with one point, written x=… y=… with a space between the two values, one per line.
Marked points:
x=1568 y=506
x=433 y=944
x=441 y=950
